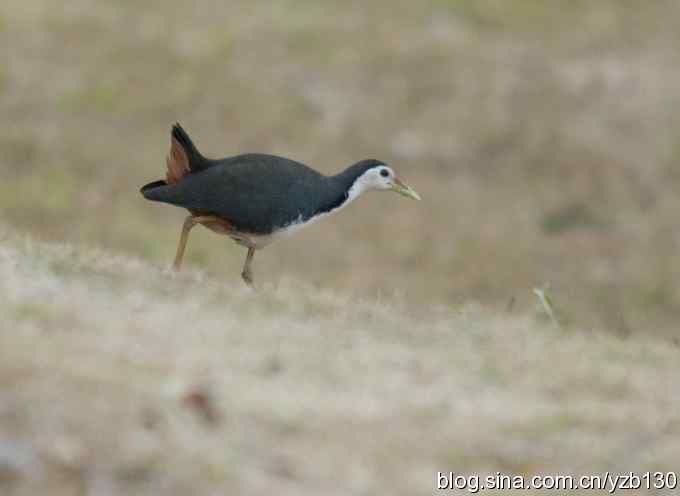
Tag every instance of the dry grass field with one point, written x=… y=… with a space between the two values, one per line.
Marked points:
x=385 y=343
x=121 y=378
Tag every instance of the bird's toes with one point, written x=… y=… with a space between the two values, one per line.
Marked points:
x=247 y=278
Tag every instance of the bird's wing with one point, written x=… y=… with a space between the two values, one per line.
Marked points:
x=252 y=192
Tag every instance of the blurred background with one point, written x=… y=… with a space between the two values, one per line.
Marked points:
x=542 y=136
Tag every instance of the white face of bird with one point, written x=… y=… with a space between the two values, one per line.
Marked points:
x=384 y=178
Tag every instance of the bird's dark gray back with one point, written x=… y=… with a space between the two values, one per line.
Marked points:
x=257 y=193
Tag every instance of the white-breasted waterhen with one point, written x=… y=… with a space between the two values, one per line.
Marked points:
x=256 y=198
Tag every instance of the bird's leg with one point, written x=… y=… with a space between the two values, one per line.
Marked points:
x=214 y=223
x=247 y=273
x=211 y=219
x=189 y=222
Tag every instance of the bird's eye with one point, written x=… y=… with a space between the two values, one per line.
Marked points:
x=384 y=173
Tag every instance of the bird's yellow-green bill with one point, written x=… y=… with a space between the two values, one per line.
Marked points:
x=404 y=189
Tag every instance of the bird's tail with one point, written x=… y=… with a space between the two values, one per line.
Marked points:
x=183 y=158
x=197 y=161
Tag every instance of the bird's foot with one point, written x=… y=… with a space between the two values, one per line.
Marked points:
x=248 y=278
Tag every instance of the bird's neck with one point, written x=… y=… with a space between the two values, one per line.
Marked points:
x=343 y=188
x=349 y=180
x=340 y=193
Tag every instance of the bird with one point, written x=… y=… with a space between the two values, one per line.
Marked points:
x=258 y=198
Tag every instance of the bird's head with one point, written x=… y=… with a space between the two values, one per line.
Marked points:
x=378 y=175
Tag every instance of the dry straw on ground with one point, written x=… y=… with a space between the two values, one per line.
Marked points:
x=122 y=378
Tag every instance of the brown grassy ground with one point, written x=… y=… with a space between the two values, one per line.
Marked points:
x=120 y=378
